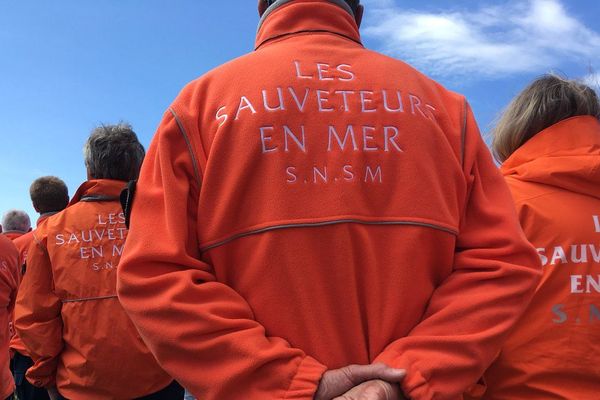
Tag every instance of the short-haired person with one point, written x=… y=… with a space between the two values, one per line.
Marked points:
x=49 y=195
x=15 y=223
x=9 y=281
x=68 y=315
x=313 y=207
x=548 y=141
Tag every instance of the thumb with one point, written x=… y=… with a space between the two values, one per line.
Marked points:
x=363 y=373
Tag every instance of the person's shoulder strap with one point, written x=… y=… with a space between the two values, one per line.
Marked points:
x=126 y=198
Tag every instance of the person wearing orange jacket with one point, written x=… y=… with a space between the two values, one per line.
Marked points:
x=9 y=281
x=315 y=206
x=549 y=142
x=68 y=316
x=49 y=195
x=15 y=223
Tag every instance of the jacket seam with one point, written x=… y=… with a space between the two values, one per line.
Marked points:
x=553 y=190
x=525 y=200
x=114 y=296
x=40 y=244
x=98 y=198
x=189 y=145
x=324 y=223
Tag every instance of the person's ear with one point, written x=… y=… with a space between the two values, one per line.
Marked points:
x=358 y=15
x=262 y=7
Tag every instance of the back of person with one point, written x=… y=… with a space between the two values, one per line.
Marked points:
x=552 y=166
x=9 y=281
x=103 y=353
x=49 y=195
x=326 y=201
x=83 y=344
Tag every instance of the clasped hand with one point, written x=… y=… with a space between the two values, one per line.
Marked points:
x=361 y=382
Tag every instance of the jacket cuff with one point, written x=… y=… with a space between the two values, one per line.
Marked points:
x=414 y=385
x=40 y=381
x=306 y=381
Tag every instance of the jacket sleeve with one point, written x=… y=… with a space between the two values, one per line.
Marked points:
x=9 y=280
x=38 y=318
x=494 y=275
x=200 y=330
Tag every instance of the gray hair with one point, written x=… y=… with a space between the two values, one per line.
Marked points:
x=113 y=152
x=16 y=220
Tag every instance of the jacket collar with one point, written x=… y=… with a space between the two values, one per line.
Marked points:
x=13 y=234
x=287 y=17
x=565 y=155
x=45 y=216
x=100 y=189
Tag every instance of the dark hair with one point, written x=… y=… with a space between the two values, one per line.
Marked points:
x=353 y=4
x=113 y=152
x=49 y=194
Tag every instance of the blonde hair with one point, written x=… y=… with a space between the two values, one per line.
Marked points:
x=545 y=102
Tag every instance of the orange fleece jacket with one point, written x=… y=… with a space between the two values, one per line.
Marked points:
x=68 y=315
x=22 y=243
x=314 y=204
x=9 y=281
x=553 y=352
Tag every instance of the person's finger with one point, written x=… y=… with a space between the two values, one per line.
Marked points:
x=372 y=390
x=358 y=374
x=337 y=382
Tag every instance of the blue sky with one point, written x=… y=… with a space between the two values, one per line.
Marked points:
x=69 y=65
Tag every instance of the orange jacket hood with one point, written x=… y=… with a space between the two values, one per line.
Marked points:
x=564 y=155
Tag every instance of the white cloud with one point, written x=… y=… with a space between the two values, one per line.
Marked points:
x=521 y=36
